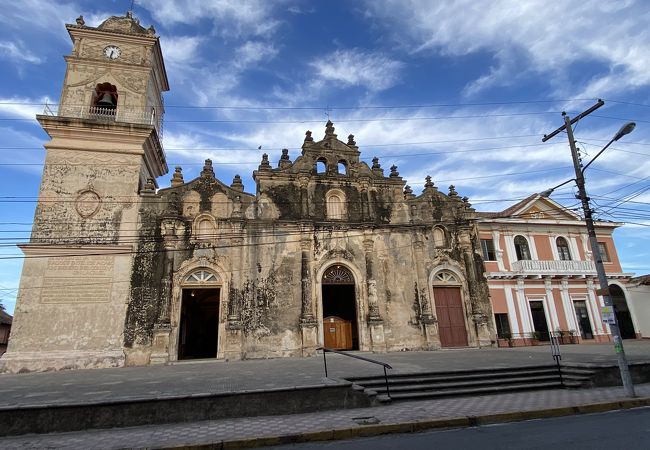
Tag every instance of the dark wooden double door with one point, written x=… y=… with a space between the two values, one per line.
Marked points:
x=451 y=317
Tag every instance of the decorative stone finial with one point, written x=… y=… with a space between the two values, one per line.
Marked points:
x=80 y=21
x=265 y=165
x=452 y=191
x=466 y=202
x=177 y=178
x=329 y=129
x=237 y=184
x=408 y=192
x=207 y=171
x=393 y=171
x=284 y=159
x=375 y=163
x=428 y=183
x=149 y=187
x=129 y=14
x=351 y=141
x=151 y=31
x=308 y=137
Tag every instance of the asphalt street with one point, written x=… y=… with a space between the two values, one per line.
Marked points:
x=629 y=430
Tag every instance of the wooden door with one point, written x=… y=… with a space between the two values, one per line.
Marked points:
x=337 y=333
x=451 y=319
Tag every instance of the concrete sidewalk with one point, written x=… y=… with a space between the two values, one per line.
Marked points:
x=213 y=376
x=344 y=424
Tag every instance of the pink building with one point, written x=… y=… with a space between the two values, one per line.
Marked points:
x=542 y=276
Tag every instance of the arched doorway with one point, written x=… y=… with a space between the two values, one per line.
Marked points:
x=449 y=309
x=340 y=327
x=623 y=316
x=199 y=319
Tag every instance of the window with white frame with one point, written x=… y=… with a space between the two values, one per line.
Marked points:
x=521 y=248
x=489 y=253
x=563 y=249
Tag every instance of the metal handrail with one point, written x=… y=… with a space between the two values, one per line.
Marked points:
x=340 y=352
x=557 y=355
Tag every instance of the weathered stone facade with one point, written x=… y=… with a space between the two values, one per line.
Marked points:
x=209 y=270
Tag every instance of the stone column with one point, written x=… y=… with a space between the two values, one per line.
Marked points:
x=569 y=311
x=375 y=322
x=427 y=319
x=600 y=327
x=304 y=196
x=172 y=231
x=234 y=341
x=550 y=301
x=308 y=323
x=524 y=309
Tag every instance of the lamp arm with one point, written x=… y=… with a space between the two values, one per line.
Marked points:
x=597 y=155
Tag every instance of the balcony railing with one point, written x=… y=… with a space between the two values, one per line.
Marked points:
x=549 y=267
x=121 y=114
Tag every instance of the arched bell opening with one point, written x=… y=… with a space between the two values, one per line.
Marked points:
x=340 y=324
x=623 y=315
x=104 y=102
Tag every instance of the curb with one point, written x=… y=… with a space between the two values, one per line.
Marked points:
x=416 y=426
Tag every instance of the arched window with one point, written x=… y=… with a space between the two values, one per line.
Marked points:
x=104 y=100
x=321 y=165
x=521 y=248
x=563 y=249
x=445 y=277
x=439 y=238
x=343 y=167
x=338 y=275
x=202 y=276
x=335 y=201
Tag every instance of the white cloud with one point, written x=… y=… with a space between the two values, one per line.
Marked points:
x=16 y=52
x=353 y=67
x=546 y=34
x=23 y=108
x=253 y=52
x=251 y=17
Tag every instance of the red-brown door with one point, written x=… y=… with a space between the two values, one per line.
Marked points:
x=337 y=333
x=451 y=319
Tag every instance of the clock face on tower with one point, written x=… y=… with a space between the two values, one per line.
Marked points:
x=112 y=52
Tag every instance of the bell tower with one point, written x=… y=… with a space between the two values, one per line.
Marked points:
x=105 y=146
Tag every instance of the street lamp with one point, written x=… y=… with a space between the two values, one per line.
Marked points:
x=591 y=231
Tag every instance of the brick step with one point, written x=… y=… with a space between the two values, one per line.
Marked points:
x=442 y=386
x=433 y=377
x=470 y=384
x=457 y=373
x=470 y=391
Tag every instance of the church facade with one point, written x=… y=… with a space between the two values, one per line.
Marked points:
x=329 y=251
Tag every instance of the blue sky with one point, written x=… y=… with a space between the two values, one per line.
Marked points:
x=459 y=90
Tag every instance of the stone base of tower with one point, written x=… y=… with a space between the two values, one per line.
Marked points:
x=21 y=362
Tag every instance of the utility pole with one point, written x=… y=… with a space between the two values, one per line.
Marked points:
x=595 y=250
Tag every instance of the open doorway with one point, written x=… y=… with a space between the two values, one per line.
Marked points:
x=199 y=324
x=623 y=315
x=340 y=327
x=540 y=324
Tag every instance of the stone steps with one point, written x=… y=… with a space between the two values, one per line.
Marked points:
x=413 y=386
